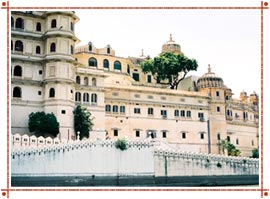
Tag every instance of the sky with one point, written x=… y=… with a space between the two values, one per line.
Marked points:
x=228 y=40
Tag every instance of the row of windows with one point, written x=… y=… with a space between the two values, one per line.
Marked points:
x=19 y=47
x=78 y=97
x=115 y=108
x=17 y=92
x=86 y=81
x=19 y=23
x=93 y=62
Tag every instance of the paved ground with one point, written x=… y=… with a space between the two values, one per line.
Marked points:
x=134 y=181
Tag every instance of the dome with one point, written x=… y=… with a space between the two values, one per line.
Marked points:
x=210 y=79
x=171 y=46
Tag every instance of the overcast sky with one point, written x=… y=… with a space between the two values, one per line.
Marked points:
x=228 y=40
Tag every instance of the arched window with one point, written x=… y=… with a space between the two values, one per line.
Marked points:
x=52 y=92
x=78 y=80
x=52 y=48
x=71 y=50
x=117 y=65
x=77 y=96
x=85 y=81
x=17 y=71
x=19 y=23
x=122 y=109
x=11 y=45
x=17 y=92
x=12 y=22
x=93 y=98
x=71 y=26
x=218 y=136
x=105 y=63
x=53 y=23
x=38 y=27
x=19 y=46
x=115 y=108
x=108 y=108
x=128 y=69
x=108 y=49
x=38 y=50
x=92 y=62
x=86 y=97
x=94 y=81
x=90 y=47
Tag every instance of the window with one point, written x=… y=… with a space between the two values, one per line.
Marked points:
x=228 y=138
x=92 y=62
x=71 y=50
x=94 y=98
x=218 y=109
x=245 y=115
x=163 y=113
x=40 y=72
x=115 y=132
x=108 y=50
x=53 y=23
x=71 y=26
x=137 y=133
x=17 y=92
x=78 y=80
x=108 y=108
x=17 y=71
x=52 y=47
x=117 y=65
x=218 y=136
x=237 y=141
x=63 y=111
x=85 y=80
x=12 y=22
x=136 y=76
x=11 y=45
x=94 y=81
x=217 y=93
x=77 y=96
x=51 y=92
x=188 y=113
x=137 y=110
x=122 y=109
x=200 y=115
x=128 y=69
x=182 y=113
x=164 y=134
x=176 y=113
x=202 y=135
x=38 y=27
x=150 y=111
x=90 y=46
x=38 y=50
x=19 y=23
x=86 y=97
x=105 y=63
x=252 y=143
x=184 y=136
x=39 y=92
x=149 y=78
x=19 y=46
x=115 y=109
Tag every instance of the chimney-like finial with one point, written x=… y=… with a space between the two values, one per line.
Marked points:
x=209 y=68
x=171 y=37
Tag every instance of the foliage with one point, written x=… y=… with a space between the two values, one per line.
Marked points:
x=167 y=66
x=231 y=149
x=43 y=124
x=255 y=153
x=219 y=165
x=82 y=121
x=121 y=144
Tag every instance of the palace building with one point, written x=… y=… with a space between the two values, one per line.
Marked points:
x=50 y=74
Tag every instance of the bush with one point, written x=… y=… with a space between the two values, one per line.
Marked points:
x=255 y=153
x=121 y=144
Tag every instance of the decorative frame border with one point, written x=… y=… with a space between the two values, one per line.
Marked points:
x=262 y=7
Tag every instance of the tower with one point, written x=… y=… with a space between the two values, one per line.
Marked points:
x=59 y=77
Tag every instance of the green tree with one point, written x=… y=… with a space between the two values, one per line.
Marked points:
x=167 y=66
x=43 y=124
x=82 y=121
x=255 y=153
x=231 y=149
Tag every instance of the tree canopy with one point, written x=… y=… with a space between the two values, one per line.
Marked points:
x=231 y=149
x=43 y=124
x=168 y=66
x=82 y=121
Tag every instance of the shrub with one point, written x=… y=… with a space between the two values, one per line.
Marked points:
x=121 y=144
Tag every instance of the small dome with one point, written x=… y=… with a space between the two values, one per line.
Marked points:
x=171 y=46
x=210 y=79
